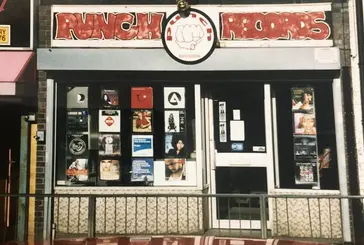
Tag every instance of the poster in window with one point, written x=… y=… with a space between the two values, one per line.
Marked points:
x=142 y=145
x=142 y=98
x=109 y=169
x=142 y=170
x=303 y=99
x=305 y=147
x=109 y=121
x=109 y=145
x=174 y=98
x=222 y=132
x=306 y=172
x=304 y=124
x=174 y=121
x=109 y=98
x=142 y=121
x=77 y=144
x=77 y=120
x=77 y=170
x=222 y=111
x=175 y=145
x=175 y=169
x=77 y=97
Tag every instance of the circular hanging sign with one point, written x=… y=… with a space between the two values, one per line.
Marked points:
x=191 y=39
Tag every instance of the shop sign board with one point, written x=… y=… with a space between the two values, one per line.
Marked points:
x=236 y=25
x=16 y=24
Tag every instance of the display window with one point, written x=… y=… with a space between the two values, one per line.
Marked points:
x=125 y=134
x=306 y=136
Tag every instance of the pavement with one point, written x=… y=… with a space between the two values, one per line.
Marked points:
x=183 y=240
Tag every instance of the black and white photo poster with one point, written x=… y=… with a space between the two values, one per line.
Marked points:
x=174 y=121
x=174 y=98
x=109 y=145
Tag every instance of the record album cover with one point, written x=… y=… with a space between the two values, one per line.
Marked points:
x=109 y=144
x=142 y=121
x=109 y=169
x=109 y=121
x=174 y=98
x=109 y=98
x=77 y=144
x=306 y=172
x=77 y=120
x=303 y=99
x=142 y=98
x=142 y=145
x=77 y=170
x=175 y=145
x=77 y=97
x=305 y=147
x=142 y=170
x=174 y=121
x=304 y=124
x=175 y=169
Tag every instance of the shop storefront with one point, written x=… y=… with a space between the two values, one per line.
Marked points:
x=230 y=99
x=18 y=97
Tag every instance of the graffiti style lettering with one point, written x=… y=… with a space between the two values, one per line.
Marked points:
x=106 y=26
x=274 y=26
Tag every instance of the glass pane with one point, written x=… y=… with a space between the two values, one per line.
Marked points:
x=240 y=180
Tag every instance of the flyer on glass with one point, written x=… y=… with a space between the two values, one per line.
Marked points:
x=303 y=99
x=109 y=121
x=142 y=121
x=109 y=98
x=142 y=145
x=174 y=121
x=142 y=97
x=304 y=123
x=77 y=120
x=109 y=144
x=142 y=170
x=222 y=132
x=306 y=172
x=175 y=145
x=174 y=98
x=77 y=170
x=77 y=97
x=175 y=169
x=77 y=144
x=305 y=147
x=109 y=169
x=222 y=111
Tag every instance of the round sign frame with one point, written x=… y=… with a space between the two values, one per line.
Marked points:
x=214 y=37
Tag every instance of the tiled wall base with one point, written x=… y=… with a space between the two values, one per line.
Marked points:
x=307 y=217
x=130 y=215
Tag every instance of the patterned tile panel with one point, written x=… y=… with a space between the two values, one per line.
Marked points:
x=307 y=217
x=129 y=215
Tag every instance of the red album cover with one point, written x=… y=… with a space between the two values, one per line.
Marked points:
x=142 y=97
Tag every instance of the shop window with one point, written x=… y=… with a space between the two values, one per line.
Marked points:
x=306 y=136
x=124 y=134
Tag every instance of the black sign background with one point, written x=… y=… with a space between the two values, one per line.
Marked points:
x=17 y=14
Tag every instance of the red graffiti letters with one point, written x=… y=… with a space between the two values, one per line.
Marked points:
x=268 y=26
x=95 y=26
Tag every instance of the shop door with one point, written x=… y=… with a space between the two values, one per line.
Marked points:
x=239 y=151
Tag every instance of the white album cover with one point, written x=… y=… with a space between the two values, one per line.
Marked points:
x=174 y=98
x=109 y=121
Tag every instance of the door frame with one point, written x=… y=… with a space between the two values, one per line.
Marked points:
x=214 y=159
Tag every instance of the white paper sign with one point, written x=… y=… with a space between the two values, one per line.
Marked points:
x=142 y=145
x=174 y=98
x=237 y=130
x=222 y=132
x=222 y=111
x=109 y=121
x=236 y=114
